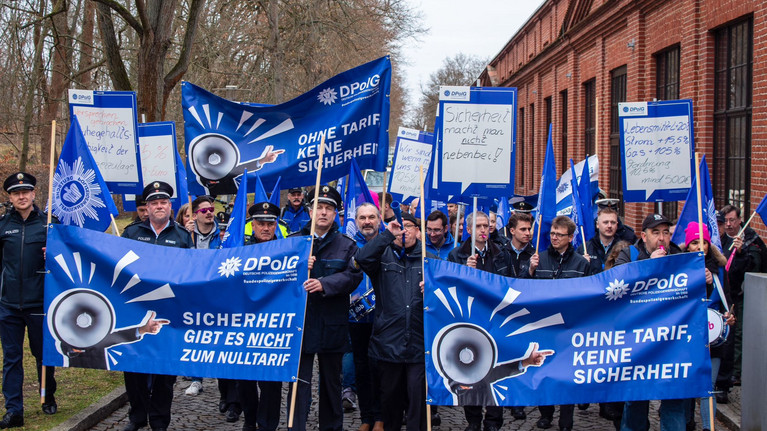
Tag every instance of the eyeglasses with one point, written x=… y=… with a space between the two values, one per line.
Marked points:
x=205 y=210
x=409 y=226
x=430 y=231
x=558 y=235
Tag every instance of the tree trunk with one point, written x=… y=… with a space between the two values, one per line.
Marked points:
x=60 y=73
x=37 y=73
x=85 y=63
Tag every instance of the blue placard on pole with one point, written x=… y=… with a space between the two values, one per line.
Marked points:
x=657 y=150
x=108 y=121
x=476 y=139
x=412 y=150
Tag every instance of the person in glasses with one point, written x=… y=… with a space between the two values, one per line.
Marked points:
x=560 y=260
x=204 y=227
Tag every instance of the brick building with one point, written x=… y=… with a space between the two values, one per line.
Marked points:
x=574 y=60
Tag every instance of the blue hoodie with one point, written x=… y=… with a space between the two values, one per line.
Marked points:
x=443 y=251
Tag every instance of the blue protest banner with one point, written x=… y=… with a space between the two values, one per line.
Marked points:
x=657 y=148
x=113 y=303
x=475 y=135
x=635 y=332
x=350 y=110
x=80 y=196
x=108 y=121
x=412 y=150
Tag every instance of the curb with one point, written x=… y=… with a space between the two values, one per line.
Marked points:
x=96 y=412
x=728 y=416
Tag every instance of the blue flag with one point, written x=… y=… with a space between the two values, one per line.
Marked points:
x=183 y=191
x=503 y=214
x=577 y=215
x=235 y=232
x=357 y=193
x=80 y=195
x=275 y=196
x=690 y=209
x=762 y=209
x=234 y=313
x=546 y=209
x=350 y=110
x=587 y=191
x=634 y=332
x=257 y=187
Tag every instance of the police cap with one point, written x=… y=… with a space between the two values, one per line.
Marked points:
x=264 y=211
x=328 y=195
x=19 y=181
x=157 y=190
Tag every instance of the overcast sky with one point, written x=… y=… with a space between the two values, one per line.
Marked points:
x=477 y=27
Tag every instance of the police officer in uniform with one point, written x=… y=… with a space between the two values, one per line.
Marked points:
x=151 y=395
x=332 y=278
x=22 y=251
x=261 y=412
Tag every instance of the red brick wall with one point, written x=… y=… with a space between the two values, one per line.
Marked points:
x=599 y=44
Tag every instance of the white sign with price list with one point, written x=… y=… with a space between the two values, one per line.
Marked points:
x=656 y=150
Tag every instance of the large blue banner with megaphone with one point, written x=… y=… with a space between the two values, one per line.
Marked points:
x=118 y=304
x=635 y=332
x=350 y=110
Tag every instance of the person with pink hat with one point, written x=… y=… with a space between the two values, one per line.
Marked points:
x=715 y=262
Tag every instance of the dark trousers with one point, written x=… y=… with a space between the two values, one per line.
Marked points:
x=227 y=389
x=366 y=373
x=565 y=414
x=150 y=397
x=261 y=402
x=493 y=415
x=398 y=380
x=331 y=412
x=12 y=324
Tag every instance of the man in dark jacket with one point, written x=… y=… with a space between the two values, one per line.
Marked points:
x=397 y=344
x=152 y=403
x=622 y=232
x=487 y=256
x=326 y=328
x=22 y=252
x=439 y=241
x=520 y=247
x=602 y=243
x=655 y=243
x=559 y=261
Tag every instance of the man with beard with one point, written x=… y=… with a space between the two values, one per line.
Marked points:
x=368 y=221
x=22 y=252
x=295 y=214
x=326 y=335
x=262 y=411
x=204 y=227
x=151 y=403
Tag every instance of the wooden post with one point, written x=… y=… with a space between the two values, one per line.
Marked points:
x=292 y=407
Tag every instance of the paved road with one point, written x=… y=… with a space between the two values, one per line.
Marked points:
x=201 y=413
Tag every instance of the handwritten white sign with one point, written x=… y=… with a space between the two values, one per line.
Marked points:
x=476 y=143
x=158 y=160
x=657 y=153
x=111 y=137
x=406 y=169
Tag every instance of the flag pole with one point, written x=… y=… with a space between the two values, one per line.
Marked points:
x=700 y=248
x=382 y=203
x=292 y=408
x=538 y=234
x=474 y=227
x=458 y=224
x=743 y=228
x=423 y=271
x=189 y=210
x=583 y=238
x=114 y=224
x=50 y=218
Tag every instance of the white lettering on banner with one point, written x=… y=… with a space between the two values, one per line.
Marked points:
x=657 y=153
x=239 y=320
x=111 y=137
x=476 y=143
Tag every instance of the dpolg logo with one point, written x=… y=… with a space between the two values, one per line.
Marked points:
x=355 y=88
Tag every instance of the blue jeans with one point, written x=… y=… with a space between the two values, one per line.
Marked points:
x=672 y=415
x=705 y=419
x=12 y=324
x=348 y=372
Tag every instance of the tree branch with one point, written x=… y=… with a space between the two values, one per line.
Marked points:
x=124 y=13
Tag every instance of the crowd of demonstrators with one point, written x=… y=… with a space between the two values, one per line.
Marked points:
x=384 y=259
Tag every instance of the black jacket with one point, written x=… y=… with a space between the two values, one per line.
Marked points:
x=625 y=233
x=398 y=324
x=326 y=327
x=747 y=259
x=174 y=235
x=500 y=257
x=520 y=263
x=21 y=253
x=569 y=264
x=598 y=254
